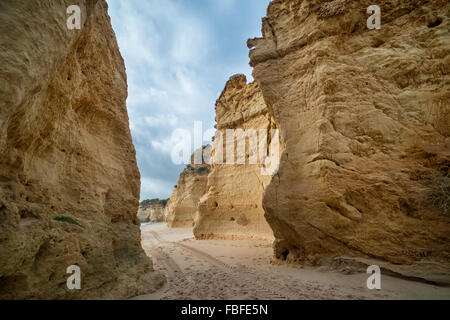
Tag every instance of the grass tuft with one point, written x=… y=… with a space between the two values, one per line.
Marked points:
x=68 y=220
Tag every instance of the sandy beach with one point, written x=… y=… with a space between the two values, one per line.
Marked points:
x=224 y=270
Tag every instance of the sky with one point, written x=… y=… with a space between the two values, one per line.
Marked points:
x=178 y=55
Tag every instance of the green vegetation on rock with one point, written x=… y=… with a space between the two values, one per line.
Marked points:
x=68 y=220
x=147 y=203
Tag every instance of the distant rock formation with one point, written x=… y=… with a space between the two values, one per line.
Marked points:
x=364 y=116
x=183 y=202
x=69 y=183
x=152 y=210
x=232 y=206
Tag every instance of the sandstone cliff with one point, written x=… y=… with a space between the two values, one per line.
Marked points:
x=365 y=119
x=183 y=202
x=152 y=212
x=69 y=183
x=232 y=206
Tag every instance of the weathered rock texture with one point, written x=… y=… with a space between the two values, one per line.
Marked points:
x=232 y=206
x=152 y=213
x=66 y=157
x=183 y=202
x=365 y=119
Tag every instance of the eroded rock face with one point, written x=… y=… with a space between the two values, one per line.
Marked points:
x=152 y=213
x=183 y=203
x=232 y=206
x=69 y=183
x=365 y=119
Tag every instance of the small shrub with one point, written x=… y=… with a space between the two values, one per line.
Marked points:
x=201 y=170
x=68 y=220
x=148 y=203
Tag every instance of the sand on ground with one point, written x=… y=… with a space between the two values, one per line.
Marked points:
x=230 y=270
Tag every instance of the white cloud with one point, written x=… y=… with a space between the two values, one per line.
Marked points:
x=157 y=188
x=161 y=120
x=225 y=4
x=178 y=55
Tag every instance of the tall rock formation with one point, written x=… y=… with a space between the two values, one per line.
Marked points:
x=69 y=183
x=364 y=115
x=183 y=203
x=152 y=211
x=232 y=206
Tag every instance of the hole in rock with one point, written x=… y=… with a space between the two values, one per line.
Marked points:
x=24 y=214
x=355 y=28
x=232 y=219
x=435 y=23
x=285 y=254
x=378 y=43
x=3 y=214
x=216 y=204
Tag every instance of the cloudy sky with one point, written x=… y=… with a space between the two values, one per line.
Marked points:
x=179 y=55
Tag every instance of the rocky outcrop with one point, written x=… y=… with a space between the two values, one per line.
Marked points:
x=69 y=183
x=364 y=117
x=153 y=211
x=232 y=206
x=183 y=202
